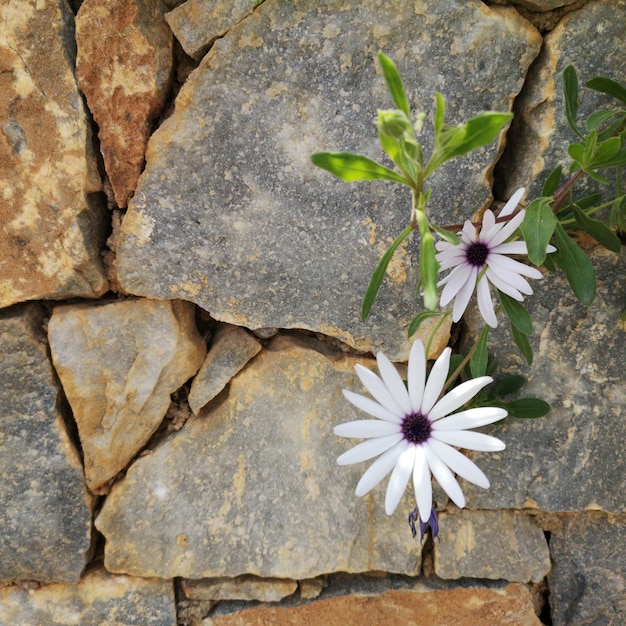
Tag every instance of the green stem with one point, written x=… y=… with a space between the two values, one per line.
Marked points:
x=435 y=330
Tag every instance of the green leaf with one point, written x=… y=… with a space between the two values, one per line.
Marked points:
x=617 y=216
x=394 y=83
x=446 y=234
x=570 y=89
x=608 y=86
x=429 y=269
x=596 y=119
x=591 y=142
x=517 y=314
x=440 y=111
x=508 y=385
x=351 y=167
x=577 y=267
x=618 y=158
x=577 y=152
x=537 y=228
x=379 y=274
x=455 y=363
x=521 y=341
x=478 y=362
x=418 y=320
x=528 y=408
x=552 y=182
x=599 y=231
x=479 y=131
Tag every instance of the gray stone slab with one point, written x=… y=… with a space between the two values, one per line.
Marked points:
x=231 y=214
x=252 y=485
x=45 y=508
x=588 y=579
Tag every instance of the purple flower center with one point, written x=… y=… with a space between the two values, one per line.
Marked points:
x=477 y=253
x=416 y=428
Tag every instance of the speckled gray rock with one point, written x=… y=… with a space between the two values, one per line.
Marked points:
x=231 y=349
x=592 y=39
x=252 y=486
x=99 y=599
x=495 y=545
x=231 y=214
x=568 y=460
x=45 y=509
x=588 y=580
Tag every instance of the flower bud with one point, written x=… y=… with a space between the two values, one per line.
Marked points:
x=394 y=123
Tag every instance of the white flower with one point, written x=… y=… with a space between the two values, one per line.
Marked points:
x=414 y=433
x=481 y=256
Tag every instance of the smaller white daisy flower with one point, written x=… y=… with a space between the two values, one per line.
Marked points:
x=415 y=434
x=481 y=256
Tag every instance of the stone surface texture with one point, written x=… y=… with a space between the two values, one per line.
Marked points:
x=268 y=498
x=239 y=588
x=45 y=509
x=231 y=214
x=118 y=363
x=231 y=349
x=123 y=67
x=543 y=5
x=588 y=580
x=99 y=599
x=198 y=23
x=51 y=216
x=494 y=545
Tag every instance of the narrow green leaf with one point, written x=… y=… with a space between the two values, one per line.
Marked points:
x=617 y=216
x=478 y=362
x=591 y=142
x=394 y=83
x=479 y=131
x=418 y=320
x=508 y=385
x=577 y=152
x=596 y=119
x=440 y=111
x=379 y=274
x=580 y=273
x=599 y=231
x=552 y=182
x=528 y=408
x=521 y=341
x=446 y=235
x=517 y=314
x=455 y=363
x=570 y=89
x=351 y=167
x=608 y=86
x=429 y=269
x=537 y=228
x=601 y=179
x=619 y=158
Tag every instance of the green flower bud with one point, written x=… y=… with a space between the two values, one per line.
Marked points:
x=394 y=123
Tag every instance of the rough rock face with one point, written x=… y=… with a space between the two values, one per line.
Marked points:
x=51 y=215
x=267 y=498
x=239 y=588
x=118 y=363
x=231 y=214
x=123 y=67
x=543 y=5
x=45 y=510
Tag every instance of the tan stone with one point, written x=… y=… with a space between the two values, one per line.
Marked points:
x=52 y=228
x=124 y=66
x=510 y=606
x=118 y=363
x=239 y=588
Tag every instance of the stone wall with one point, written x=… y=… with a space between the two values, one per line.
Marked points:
x=181 y=293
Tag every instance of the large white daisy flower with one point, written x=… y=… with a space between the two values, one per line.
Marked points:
x=414 y=433
x=481 y=256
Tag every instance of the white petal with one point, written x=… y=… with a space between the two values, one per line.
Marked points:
x=436 y=381
x=452 y=252
x=380 y=468
x=458 y=397
x=369 y=406
x=368 y=449
x=393 y=382
x=454 y=281
x=463 y=296
x=485 y=305
x=422 y=484
x=472 y=418
x=365 y=429
x=497 y=261
x=512 y=247
x=514 y=200
x=444 y=477
x=503 y=285
x=416 y=376
x=378 y=389
x=469 y=439
x=459 y=463
x=507 y=230
x=550 y=248
x=489 y=221
x=399 y=479
x=468 y=232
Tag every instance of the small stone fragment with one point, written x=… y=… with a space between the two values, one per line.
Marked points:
x=495 y=545
x=118 y=363
x=239 y=588
x=123 y=67
x=311 y=587
x=231 y=349
x=543 y=5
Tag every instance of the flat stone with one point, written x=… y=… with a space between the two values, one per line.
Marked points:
x=511 y=605
x=118 y=363
x=565 y=461
x=311 y=587
x=588 y=578
x=123 y=67
x=251 y=485
x=98 y=598
x=45 y=509
x=52 y=217
x=591 y=38
x=505 y=545
x=231 y=349
x=231 y=214
x=198 y=23
x=239 y=588
x=543 y=5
